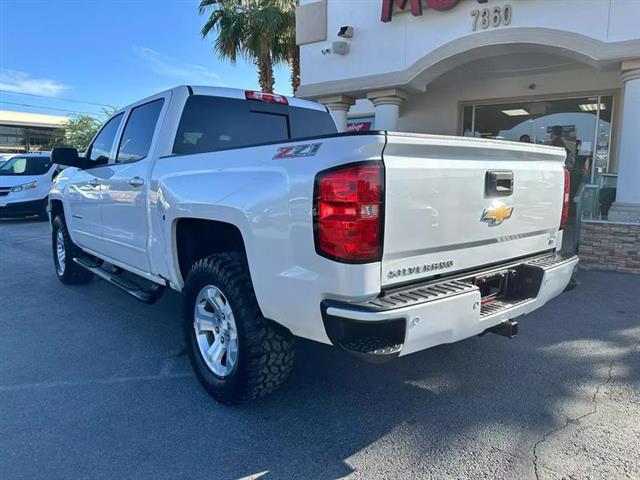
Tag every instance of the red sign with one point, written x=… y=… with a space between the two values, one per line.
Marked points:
x=416 y=6
x=359 y=127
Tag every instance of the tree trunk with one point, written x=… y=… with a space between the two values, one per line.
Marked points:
x=295 y=69
x=265 y=73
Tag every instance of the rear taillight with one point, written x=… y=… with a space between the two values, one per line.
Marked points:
x=565 y=199
x=348 y=209
x=266 y=97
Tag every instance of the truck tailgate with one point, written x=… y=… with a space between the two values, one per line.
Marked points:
x=455 y=203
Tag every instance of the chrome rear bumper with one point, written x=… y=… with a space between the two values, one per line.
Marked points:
x=417 y=317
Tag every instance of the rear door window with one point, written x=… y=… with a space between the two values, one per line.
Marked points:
x=138 y=132
x=217 y=123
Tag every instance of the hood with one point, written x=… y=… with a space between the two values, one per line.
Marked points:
x=13 y=180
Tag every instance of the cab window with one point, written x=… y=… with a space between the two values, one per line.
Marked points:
x=138 y=132
x=101 y=148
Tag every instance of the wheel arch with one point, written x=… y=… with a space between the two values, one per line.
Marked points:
x=55 y=208
x=196 y=238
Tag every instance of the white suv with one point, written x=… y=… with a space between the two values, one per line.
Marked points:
x=25 y=181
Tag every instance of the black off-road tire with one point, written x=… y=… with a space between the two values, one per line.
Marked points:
x=265 y=349
x=72 y=273
x=43 y=214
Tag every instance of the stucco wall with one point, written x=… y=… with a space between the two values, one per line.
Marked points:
x=380 y=48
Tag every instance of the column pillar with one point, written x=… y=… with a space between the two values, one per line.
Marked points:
x=339 y=106
x=626 y=208
x=387 y=107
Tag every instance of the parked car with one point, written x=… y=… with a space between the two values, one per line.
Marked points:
x=5 y=156
x=25 y=180
x=273 y=225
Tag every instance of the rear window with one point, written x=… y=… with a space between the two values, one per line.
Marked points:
x=218 y=123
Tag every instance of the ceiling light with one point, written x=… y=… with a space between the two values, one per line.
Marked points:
x=591 y=107
x=518 y=112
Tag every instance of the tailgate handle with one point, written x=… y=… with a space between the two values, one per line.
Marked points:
x=498 y=183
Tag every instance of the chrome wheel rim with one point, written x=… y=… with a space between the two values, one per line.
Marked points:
x=215 y=330
x=60 y=253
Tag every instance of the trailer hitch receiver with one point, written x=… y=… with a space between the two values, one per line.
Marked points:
x=507 y=329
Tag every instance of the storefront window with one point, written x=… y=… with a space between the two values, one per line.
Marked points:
x=535 y=121
x=581 y=125
x=25 y=139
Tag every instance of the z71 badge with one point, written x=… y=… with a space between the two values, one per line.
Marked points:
x=295 y=151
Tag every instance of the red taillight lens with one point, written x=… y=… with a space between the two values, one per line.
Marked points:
x=266 y=97
x=565 y=201
x=348 y=213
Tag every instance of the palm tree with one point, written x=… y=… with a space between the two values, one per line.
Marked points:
x=289 y=50
x=246 y=28
x=260 y=30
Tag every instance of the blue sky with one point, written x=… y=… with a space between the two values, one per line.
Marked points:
x=108 y=52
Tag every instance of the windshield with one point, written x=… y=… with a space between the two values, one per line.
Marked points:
x=26 y=166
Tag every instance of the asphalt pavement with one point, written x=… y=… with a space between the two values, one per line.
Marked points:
x=96 y=385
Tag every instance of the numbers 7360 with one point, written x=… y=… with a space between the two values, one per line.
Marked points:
x=483 y=18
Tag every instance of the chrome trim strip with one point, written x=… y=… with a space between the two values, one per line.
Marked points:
x=460 y=246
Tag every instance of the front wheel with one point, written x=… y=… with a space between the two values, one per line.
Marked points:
x=236 y=353
x=64 y=251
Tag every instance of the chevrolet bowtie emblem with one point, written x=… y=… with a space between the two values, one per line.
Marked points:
x=496 y=214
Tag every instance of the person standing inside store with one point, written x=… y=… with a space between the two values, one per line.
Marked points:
x=556 y=140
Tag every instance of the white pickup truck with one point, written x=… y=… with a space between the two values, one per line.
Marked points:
x=273 y=225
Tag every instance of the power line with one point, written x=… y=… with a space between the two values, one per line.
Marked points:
x=57 y=98
x=49 y=108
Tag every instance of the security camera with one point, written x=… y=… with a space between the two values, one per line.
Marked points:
x=340 y=47
x=346 y=32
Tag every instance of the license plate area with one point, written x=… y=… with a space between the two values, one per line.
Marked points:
x=517 y=283
x=494 y=287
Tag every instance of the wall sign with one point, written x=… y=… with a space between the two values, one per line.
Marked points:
x=483 y=18
x=359 y=127
x=416 y=6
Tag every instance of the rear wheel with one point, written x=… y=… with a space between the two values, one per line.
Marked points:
x=64 y=251
x=236 y=353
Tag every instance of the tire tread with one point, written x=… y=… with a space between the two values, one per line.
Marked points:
x=269 y=353
x=74 y=274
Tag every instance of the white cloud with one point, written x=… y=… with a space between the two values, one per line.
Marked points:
x=21 y=82
x=172 y=67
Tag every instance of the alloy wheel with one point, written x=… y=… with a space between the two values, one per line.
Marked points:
x=215 y=330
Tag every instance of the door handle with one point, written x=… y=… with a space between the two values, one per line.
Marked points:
x=136 y=182
x=498 y=183
x=94 y=182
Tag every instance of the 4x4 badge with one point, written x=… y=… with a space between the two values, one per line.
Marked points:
x=497 y=213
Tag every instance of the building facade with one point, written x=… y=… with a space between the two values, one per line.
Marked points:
x=518 y=70
x=22 y=132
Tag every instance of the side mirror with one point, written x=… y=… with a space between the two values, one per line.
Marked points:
x=68 y=157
